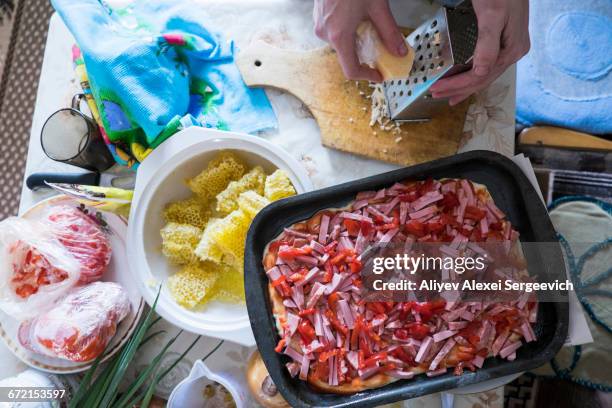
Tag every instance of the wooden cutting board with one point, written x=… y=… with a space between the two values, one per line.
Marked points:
x=341 y=108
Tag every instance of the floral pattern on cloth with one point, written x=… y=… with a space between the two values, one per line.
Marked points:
x=152 y=68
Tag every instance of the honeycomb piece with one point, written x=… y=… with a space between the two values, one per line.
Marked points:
x=251 y=203
x=230 y=286
x=194 y=284
x=207 y=249
x=278 y=186
x=191 y=211
x=217 y=175
x=179 y=242
x=227 y=199
x=230 y=236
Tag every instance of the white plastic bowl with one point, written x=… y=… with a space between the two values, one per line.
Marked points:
x=161 y=180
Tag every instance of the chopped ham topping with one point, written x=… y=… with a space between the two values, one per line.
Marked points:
x=478 y=361
x=323 y=229
x=443 y=335
x=437 y=372
x=405 y=375
x=427 y=211
x=331 y=332
x=424 y=349
x=509 y=349
x=304 y=368
x=450 y=343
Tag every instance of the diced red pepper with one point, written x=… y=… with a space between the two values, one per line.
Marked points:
x=474 y=213
x=447 y=219
x=360 y=358
x=296 y=277
x=449 y=201
x=281 y=344
x=497 y=226
x=291 y=253
x=330 y=247
x=428 y=309
x=332 y=300
x=353 y=227
x=415 y=227
x=401 y=334
x=434 y=227
x=366 y=227
x=333 y=320
x=282 y=286
x=340 y=257
x=329 y=272
x=355 y=332
x=325 y=355
x=409 y=197
x=307 y=332
x=355 y=266
x=377 y=307
x=307 y=312
x=320 y=371
x=374 y=358
x=363 y=346
x=417 y=330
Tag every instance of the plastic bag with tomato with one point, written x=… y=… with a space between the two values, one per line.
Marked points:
x=79 y=326
x=36 y=269
x=83 y=237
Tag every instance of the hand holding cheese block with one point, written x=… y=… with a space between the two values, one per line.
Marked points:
x=372 y=52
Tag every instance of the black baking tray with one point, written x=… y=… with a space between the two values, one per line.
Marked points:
x=513 y=193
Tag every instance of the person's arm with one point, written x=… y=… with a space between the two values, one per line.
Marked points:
x=336 y=22
x=503 y=38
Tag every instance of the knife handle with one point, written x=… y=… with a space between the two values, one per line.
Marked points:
x=37 y=181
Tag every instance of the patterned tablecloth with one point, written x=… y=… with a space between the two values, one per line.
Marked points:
x=285 y=23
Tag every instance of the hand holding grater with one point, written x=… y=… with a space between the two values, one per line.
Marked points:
x=444 y=45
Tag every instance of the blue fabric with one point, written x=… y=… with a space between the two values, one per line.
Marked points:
x=156 y=62
x=566 y=79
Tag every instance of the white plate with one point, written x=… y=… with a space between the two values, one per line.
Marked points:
x=161 y=180
x=117 y=272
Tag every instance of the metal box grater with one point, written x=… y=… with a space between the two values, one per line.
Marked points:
x=444 y=45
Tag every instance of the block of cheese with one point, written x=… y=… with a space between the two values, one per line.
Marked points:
x=372 y=52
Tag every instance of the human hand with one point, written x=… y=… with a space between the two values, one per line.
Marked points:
x=503 y=38
x=336 y=22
